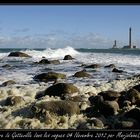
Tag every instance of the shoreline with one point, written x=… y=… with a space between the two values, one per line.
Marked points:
x=17 y=117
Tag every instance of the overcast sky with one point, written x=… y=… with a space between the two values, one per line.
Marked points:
x=87 y=26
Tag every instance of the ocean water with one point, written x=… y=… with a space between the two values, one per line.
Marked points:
x=23 y=70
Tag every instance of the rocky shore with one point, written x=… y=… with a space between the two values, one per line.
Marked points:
x=61 y=105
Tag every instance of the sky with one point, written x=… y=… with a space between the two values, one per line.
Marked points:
x=79 y=26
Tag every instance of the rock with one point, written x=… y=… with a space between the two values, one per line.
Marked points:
x=137 y=87
x=46 y=61
x=6 y=66
x=126 y=103
x=18 y=54
x=80 y=74
x=68 y=57
x=57 y=107
x=93 y=123
x=110 y=95
x=9 y=82
x=116 y=70
x=110 y=66
x=121 y=99
x=93 y=66
x=92 y=111
x=96 y=122
x=127 y=124
x=39 y=95
x=61 y=89
x=14 y=100
x=133 y=95
x=95 y=100
x=138 y=103
x=50 y=76
x=108 y=108
x=133 y=113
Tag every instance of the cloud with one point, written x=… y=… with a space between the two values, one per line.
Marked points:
x=90 y=40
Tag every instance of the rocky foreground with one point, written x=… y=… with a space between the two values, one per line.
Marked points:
x=65 y=106
x=114 y=105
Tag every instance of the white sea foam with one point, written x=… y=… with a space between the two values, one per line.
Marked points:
x=107 y=58
x=53 y=53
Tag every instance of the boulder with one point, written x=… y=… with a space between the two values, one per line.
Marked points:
x=116 y=70
x=108 y=108
x=92 y=112
x=127 y=124
x=80 y=74
x=95 y=100
x=14 y=100
x=93 y=123
x=46 y=61
x=133 y=95
x=50 y=76
x=110 y=95
x=133 y=113
x=18 y=54
x=6 y=66
x=110 y=66
x=61 y=89
x=9 y=82
x=137 y=87
x=68 y=57
x=57 y=107
x=93 y=66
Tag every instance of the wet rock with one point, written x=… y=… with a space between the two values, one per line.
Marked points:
x=93 y=66
x=39 y=95
x=137 y=87
x=80 y=74
x=133 y=113
x=14 y=100
x=68 y=57
x=57 y=107
x=126 y=103
x=110 y=66
x=61 y=89
x=108 y=108
x=92 y=111
x=9 y=82
x=95 y=100
x=117 y=70
x=93 y=123
x=46 y=61
x=122 y=98
x=50 y=76
x=133 y=95
x=138 y=103
x=127 y=124
x=97 y=122
x=6 y=66
x=110 y=95
x=18 y=54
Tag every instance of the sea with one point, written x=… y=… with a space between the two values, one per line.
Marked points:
x=22 y=69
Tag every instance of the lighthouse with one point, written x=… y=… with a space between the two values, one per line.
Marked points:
x=130 y=45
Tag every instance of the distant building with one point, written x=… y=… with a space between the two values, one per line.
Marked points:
x=130 y=43
x=115 y=45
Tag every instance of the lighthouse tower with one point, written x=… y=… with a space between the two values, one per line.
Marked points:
x=130 y=45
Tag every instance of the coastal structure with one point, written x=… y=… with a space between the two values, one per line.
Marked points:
x=115 y=45
x=130 y=46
